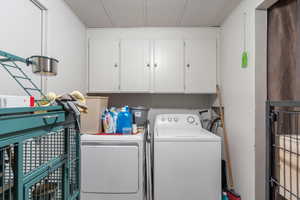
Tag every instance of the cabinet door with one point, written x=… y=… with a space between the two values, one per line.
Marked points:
x=201 y=66
x=135 y=66
x=168 y=66
x=103 y=66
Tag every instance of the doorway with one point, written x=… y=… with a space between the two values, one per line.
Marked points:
x=283 y=109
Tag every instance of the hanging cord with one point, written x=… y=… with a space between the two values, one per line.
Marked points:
x=245 y=53
x=245 y=30
x=215 y=124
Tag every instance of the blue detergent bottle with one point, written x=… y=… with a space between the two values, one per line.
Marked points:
x=124 y=121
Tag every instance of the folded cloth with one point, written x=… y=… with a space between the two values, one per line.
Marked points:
x=76 y=97
x=65 y=97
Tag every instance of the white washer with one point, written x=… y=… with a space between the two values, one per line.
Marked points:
x=112 y=167
x=187 y=159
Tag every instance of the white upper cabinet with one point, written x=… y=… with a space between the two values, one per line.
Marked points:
x=153 y=60
x=135 y=66
x=103 y=66
x=200 y=66
x=168 y=66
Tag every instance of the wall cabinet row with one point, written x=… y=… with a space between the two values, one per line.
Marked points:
x=160 y=66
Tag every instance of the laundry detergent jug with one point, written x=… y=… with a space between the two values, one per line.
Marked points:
x=124 y=121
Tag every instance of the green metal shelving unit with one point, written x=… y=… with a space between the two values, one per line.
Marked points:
x=39 y=154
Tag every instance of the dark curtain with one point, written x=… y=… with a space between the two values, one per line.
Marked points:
x=283 y=36
x=284 y=69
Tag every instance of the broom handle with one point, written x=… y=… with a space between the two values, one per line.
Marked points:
x=226 y=146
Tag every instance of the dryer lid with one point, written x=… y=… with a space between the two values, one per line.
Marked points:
x=114 y=138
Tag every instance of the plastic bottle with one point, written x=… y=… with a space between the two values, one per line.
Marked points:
x=114 y=113
x=224 y=196
x=124 y=121
x=108 y=122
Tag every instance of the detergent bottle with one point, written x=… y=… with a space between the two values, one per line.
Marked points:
x=124 y=121
x=108 y=122
x=114 y=113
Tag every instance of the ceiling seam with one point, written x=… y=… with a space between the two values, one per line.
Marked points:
x=180 y=19
x=108 y=14
x=145 y=12
x=220 y=17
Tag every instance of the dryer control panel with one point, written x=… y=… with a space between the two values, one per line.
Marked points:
x=177 y=121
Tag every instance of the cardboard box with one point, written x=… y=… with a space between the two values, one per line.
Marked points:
x=91 y=122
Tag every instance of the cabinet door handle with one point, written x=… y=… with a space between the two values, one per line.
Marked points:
x=188 y=65
x=116 y=65
x=148 y=65
x=155 y=65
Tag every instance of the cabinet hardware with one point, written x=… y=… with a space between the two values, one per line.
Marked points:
x=116 y=65
x=188 y=65
x=155 y=65
x=148 y=65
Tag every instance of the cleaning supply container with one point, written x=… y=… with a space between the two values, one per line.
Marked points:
x=140 y=115
x=124 y=121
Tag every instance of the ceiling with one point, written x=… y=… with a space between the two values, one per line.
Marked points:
x=136 y=13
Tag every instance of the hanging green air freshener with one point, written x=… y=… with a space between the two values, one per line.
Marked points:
x=245 y=59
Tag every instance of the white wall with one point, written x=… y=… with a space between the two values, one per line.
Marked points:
x=20 y=34
x=260 y=99
x=67 y=43
x=239 y=95
x=66 y=40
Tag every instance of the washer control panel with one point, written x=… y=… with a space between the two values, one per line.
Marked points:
x=177 y=120
x=191 y=119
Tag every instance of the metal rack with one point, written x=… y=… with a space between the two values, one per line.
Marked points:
x=9 y=63
x=283 y=150
x=39 y=154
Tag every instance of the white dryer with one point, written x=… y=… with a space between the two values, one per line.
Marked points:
x=112 y=167
x=187 y=159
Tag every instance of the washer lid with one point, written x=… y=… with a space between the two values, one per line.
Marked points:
x=185 y=134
